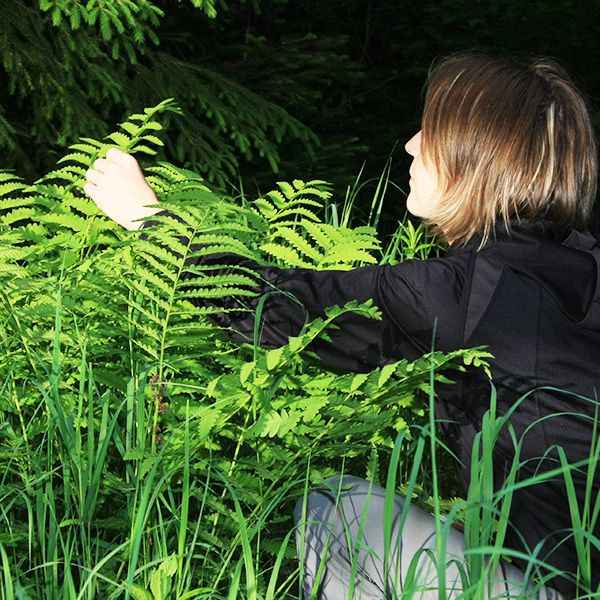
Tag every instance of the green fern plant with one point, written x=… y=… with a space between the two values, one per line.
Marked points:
x=296 y=235
x=81 y=295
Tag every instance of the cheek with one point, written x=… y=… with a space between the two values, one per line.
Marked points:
x=429 y=184
x=424 y=197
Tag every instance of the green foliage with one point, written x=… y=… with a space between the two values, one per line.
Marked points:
x=135 y=434
x=112 y=18
x=71 y=67
x=259 y=83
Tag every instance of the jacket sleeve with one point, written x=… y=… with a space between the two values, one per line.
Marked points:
x=412 y=297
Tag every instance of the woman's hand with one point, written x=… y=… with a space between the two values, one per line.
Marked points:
x=118 y=187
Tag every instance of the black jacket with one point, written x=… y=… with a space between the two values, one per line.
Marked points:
x=533 y=297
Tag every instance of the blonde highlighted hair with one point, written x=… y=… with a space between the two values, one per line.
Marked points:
x=507 y=139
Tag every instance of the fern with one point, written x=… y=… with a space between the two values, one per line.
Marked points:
x=129 y=310
x=135 y=136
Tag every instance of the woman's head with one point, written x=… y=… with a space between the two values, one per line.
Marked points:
x=502 y=139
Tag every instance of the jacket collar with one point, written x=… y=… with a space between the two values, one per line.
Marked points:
x=563 y=261
x=533 y=230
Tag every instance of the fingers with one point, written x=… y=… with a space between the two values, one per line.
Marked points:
x=94 y=176
x=115 y=159
x=90 y=189
x=101 y=167
x=95 y=193
x=114 y=156
x=100 y=164
x=117 y=186
x=118 y=156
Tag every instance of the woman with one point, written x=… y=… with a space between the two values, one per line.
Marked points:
x=504 y=171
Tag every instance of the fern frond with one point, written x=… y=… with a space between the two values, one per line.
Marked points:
x=151 y=332
x=78 y=157
x=9 y=203
x=71 y=173
x=7 y=176
x=318 y=234
x=122 y=140
x=80 y=203
x=148 y=350
x=70 y=220
x=173 y=243
x=298 y=211
x=8 y=253
x=158 y=265
x=86 y=149
x=157 y=253
x=144 y=311
x=215 y=292
x=158 y=282
x=19 y=214
x=298 y=242
x=285 y=254
x=32 y=232
x=228 y=247
x=141 y=287
x=204 y=279
x=11 y=186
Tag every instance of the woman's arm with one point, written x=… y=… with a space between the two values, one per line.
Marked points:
x=292 y=297
x=411 y=296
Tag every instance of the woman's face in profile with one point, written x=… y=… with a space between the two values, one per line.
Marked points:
x=424 y=197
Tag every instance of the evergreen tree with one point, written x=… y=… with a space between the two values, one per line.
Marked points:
x=71 y=67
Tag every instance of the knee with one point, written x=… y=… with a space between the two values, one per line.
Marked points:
x=314 y=502
x=331 y=493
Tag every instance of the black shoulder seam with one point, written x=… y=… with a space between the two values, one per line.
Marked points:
x=486 y=275
x=465 y=297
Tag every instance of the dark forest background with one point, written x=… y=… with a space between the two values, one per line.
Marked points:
x=270 y=89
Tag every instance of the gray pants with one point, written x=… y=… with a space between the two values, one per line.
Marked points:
x=336 y=553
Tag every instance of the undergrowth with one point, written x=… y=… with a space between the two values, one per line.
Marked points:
x=145 y=454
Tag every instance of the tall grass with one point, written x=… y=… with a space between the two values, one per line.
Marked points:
x=112 y=521
x=95 y=504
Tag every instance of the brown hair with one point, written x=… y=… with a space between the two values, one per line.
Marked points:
x=507 y=140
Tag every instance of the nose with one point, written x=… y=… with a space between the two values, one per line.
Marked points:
x=413 y=146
